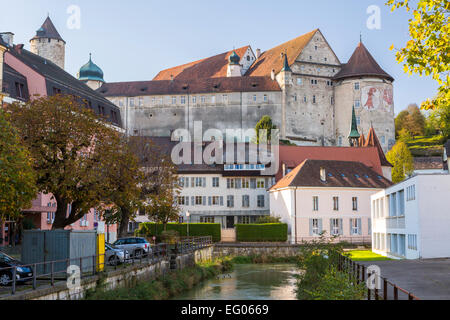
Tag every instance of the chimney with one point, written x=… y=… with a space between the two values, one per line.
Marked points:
x=272 y=74
x=8 y=38
x=323 y=175
x=258 y=53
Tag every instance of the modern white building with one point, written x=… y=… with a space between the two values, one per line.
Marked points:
x=411 y=220
x=327 y=196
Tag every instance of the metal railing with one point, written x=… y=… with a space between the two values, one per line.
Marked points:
x=356 y=240
x=50 y=272
x=388 y=290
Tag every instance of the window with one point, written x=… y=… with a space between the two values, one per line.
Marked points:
x=315 y=227
x=198 y=200
x=305 y=99
x=295 y=97
x=230 y=201
x=356 y=85
x=336 y=227
x=315 y=203
x=383 y=139
x=230 y=183
x=20 y=90
x=141 y=101
x=411 y=193
x=153 y=100
x=181 y=201
x=357 y=104
x=265 y=98
x=340 y=141
x=318 y=70
x=183 y=99
x=355 y=203
x=245 y=183
x=299 y=81
x=254 y=98
x=355 y=227
x=200 y=182
x=314 y=99
x=332 y=100
x=174 y=100
x=194 y=99
x=412 y=241
x=313 y=81
x=203 y=99
x=358 y=121
x=215 y=182
x=246 y=201
x=261 y=201
x=315 y=48
x=181 y=182
x=213 y=99
x=336 y=203
x=401 y=203
x=131 y=102
x=260 y=184
x=207 y=220
x=215 y=201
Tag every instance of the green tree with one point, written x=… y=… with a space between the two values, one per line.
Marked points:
x=411 y=120
x=401 y=159
x=71 y=150
x=17 y=178
x=264 y=124
x=400 y=121
x=428 y=51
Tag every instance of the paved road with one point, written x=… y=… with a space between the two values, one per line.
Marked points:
x=427 y=279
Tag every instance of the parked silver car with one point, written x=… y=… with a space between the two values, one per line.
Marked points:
x=137 y=247
x=115 y=256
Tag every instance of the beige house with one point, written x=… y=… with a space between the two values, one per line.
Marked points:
x=327 y=196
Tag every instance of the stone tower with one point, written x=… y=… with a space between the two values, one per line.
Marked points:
x=284 y=78
x=48 y=44
x=362 y=83
x=91 y=74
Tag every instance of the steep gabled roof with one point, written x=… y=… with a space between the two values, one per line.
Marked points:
x=372 y=141
x=212 y=67
x=361 y=64
x=48 y=30
x=362 y=140
x=339 y=174
x=273 y=58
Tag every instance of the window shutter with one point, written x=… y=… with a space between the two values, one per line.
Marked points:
x=192 y=182
x=320 y=226
x=351 y=224
x=341 y=227
x=310 y=227
x=193 y=200
x=187 y=201
x=359 y=226
x=221 y=201
x=228 y=183
x=266 y=183
x=331 y=227
x=186 y=183
x=209 y=201
x=253 y=183
x=238 y=183
x=204 y=200
x=369 y=221
x=204 y=182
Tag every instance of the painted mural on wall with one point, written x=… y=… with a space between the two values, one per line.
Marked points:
x=374 y=98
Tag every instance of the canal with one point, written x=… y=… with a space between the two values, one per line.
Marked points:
x=248 y=282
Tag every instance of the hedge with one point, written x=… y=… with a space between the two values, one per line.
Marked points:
x=268 y=232
x=150 y=229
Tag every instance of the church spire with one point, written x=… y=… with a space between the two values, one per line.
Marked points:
x=354 y=134
x=286 y=67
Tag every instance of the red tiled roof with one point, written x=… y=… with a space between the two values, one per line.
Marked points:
x=292 y=156
x=192 y=86
x=428 y=163
x=372 y=141
x=362 y=63
x=273 y=59
x=339 y=174
x=212 y=67
x=48 y=30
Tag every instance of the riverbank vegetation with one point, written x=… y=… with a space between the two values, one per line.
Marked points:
x=321 y=278
x=261 y=259
x=164 y=287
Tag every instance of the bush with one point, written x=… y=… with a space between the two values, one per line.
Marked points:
x=150 y=229
x=270 y=232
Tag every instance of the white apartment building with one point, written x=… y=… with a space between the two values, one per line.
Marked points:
x=411 y=220
x=327 y=196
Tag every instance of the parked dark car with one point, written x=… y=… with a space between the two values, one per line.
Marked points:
x=7 y=263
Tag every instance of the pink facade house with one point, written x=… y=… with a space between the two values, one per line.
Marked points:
x=24 y=74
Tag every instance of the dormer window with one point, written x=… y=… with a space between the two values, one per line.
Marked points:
x=323 y=174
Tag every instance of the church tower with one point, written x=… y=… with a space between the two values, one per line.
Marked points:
x=91 y=74
x=353 y=137
x=48 y=44
x=234 y=68
x=362 y=83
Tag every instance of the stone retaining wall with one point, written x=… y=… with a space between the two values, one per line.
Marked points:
x=252 y=249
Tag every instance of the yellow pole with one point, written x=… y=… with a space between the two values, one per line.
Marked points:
x=100 y=252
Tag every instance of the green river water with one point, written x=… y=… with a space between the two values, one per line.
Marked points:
x=248 y=282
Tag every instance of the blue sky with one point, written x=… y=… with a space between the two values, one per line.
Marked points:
x=133 y=40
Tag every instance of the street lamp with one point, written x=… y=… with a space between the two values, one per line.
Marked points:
x=188 y=215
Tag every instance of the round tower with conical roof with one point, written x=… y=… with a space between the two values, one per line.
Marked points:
x=91 y=74
x=48 y=44
x=362 y=83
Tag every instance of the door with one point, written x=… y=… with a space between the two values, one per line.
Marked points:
x=230 y=222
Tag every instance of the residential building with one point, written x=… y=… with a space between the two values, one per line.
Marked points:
x=301 y=84
x=327 y=196
x=411 y=219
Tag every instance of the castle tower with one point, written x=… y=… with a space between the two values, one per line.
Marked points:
x=353 y=137
x=234 y=68
x=48 y=44
x=284 y=78
x=362 y=83
x=91 y=74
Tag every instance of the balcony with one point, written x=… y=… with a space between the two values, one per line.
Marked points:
x=395 y=222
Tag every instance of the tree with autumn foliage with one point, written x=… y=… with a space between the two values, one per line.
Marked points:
x=402 y=161
x=72 y=150
x=428 y=51
x=17 y=178
x=411 y=120
x=160 y=185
